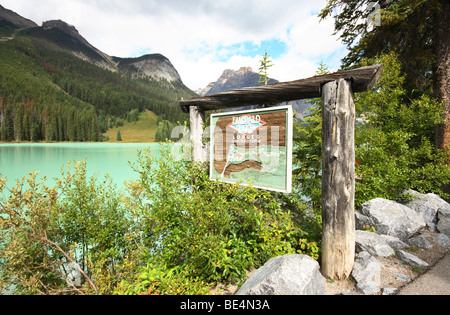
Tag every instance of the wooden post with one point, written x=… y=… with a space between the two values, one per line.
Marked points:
x=197 y=117
x=338 y=180
x=338 y=175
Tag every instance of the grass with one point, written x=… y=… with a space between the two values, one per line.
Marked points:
x=143 y=130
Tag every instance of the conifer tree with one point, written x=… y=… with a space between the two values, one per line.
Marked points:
x=417 y=31
x=266 y=63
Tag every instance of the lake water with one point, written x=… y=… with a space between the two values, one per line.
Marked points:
x=18 y=160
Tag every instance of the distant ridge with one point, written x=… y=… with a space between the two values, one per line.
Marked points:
x=242 y=78
x=67 y=37
x=152 y=65
x=231 y=80
x=56 y=86
x=13 y=20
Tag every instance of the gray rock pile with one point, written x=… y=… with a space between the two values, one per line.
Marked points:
x=398 y=225
x=435 y=209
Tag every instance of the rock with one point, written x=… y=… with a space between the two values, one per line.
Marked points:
x=286 y=275
x=367 y=273
x=377 y=244
x=444 y=213
x=442 y=240
x=429 y=205
x=410 y=259
x=443 y=226
x=233 y=79
x=421 y=241
x=390 y=218
x=350 y=293
x=368 y=287
x=154 y=66
x=402 y=277
x=388 y=291
x=74 y=276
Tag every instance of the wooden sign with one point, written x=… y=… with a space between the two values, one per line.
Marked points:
x=253 y=148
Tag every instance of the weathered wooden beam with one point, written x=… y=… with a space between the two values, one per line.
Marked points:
x=197 y=118
x=338 y=179
x=362 y=79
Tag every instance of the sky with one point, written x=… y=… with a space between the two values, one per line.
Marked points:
x=202 y=38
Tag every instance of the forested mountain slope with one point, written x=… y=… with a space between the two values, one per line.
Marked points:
x=55 y=86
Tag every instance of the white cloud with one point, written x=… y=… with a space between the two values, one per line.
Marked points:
x=200 y=37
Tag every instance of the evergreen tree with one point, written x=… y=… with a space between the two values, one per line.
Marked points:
x=393 y=142
x=119 y=136
x=417 y=31
x=26 y=127
x=8 y=120
x=266 y=63
x=18 y=122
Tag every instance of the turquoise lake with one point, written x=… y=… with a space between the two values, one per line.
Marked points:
x=18 y=160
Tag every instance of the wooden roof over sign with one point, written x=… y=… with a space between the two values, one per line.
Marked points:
x=363 y=79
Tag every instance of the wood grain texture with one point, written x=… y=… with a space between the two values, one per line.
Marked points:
x=338 y=180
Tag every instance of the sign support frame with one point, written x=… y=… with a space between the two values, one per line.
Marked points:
x=337 y=90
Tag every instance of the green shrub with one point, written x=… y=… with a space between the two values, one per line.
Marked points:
x=155 y=279
x=216 y=231
x=79 y=221
x=173 y=231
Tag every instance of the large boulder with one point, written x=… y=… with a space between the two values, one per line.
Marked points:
x=443 y=224
x=377 y=244
x=430 y=205
x=390 y=218
x=286 y=275
x=367 y=273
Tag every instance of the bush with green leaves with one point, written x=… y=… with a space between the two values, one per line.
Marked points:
x=80 y=222
x=307 y=153
x=171 y=231
x=214 y=230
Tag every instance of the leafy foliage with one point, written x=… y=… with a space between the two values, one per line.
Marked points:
x=307 y=153
x=395 y=145
x=215 y=230
x=173 y=231
x=46 y=232
x=265 y=64
x=394 y=142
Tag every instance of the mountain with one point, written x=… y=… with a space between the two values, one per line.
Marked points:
x=56 y=86
x=10 y=22
x=66 y=37
x=153 y=65
x=246 y=77
x=231 y=80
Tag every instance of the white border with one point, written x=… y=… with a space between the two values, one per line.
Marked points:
x=289 y=144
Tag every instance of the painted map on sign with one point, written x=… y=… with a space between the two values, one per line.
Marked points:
x=252 y=147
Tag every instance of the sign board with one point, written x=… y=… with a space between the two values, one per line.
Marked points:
x=253 y=148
